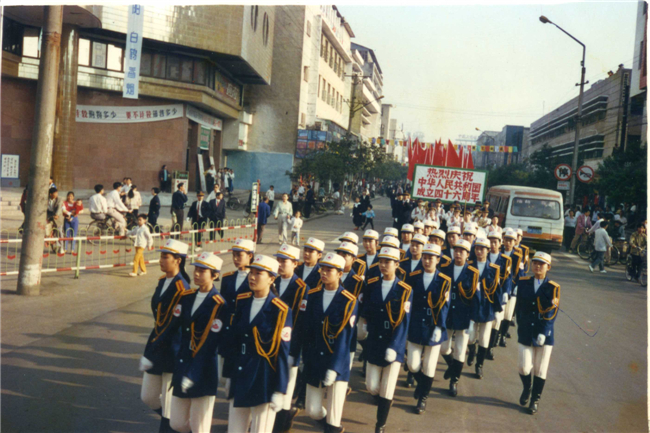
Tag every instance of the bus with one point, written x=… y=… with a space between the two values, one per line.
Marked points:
x=537 y=212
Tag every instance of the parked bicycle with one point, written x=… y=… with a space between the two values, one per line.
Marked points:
x=97 y=228
x=233 y=203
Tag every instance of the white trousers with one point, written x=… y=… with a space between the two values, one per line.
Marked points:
x=382 y=380
x=155 y=392
x=510 y=308
x=414 y=358
x=498 y=317
x=351 y=359
x=120 y=222
x=293 y=375
x=481 y=334
x=535 y=359
x=260 y=418
x=283 y=228
x=192 y=414
x=336 y=394
x=459 y=344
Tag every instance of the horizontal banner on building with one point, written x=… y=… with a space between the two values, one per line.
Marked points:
x=470 y=147
x=114 y=114
x=202 y=118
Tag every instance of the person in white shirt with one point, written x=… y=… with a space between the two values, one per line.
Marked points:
x=602 y=244
x=296 y=224
x=133 y=200
x=301 y=190
x=270 y=194
x=494 y=227
x=213 y=193
x=115 y=206
x=143 y=239
x=420 y=212
x=337 y=202
x=98 y=204
x=284 y=211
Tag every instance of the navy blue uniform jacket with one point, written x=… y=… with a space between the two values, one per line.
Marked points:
x=327 y=346
x=515 y=272
x=163 y=341
x=257 y=360
x=229 y=293
x=201 y=334
x=461 y=298
x=295 y=296
x=487 y=299
x=505 y=280
x=313 y=278
x=364 y=258
x=388 y=320
x=354 y=283
x=429 y=309
x=536 y=312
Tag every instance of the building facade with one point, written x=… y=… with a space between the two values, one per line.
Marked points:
x=637 y=127
x=510 y=136
x=367 y=92
x=603 y=124
x=197 y=64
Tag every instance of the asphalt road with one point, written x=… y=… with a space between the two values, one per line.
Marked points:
x=70 y=358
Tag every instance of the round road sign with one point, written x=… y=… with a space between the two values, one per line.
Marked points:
x=585 y=174
x=563 y=172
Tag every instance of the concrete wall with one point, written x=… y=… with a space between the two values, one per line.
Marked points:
x=268 y=167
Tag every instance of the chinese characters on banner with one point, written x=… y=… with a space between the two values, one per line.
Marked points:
x=114 y=114
x=133 y=51
x=10 y=166
x=203 y=118
x=448 y=184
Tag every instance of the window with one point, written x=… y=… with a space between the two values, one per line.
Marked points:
x=12 y=33
x=308 y=28
x=99 y=55
x=329 y=94
x=323 y=96
x=265 y=29
x=302 y=119
x=199 y=72
x=306 y=73
x=173 y=67
x=332 y=57
x=641 y=53
x=145 y=64
x=318 y=93
x=254 y=12
x=159 y=65
x=115 y=58
x=535 y=208
x=84 y=52
x=31 y=47
x=186 y=70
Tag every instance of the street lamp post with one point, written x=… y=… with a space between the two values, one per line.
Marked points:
x=576 y=144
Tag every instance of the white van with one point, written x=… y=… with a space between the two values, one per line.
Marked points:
x=537 y=212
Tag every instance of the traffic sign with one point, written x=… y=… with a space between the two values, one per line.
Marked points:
x=563 y=185
x=585 y=174
x=562 y=172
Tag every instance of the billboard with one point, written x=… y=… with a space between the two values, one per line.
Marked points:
x=448 y=184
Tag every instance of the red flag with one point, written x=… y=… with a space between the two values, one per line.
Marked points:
x=414 y=149
x=453 y=160
x=470 y=161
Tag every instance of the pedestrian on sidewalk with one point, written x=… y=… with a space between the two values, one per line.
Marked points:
x=583 y=224
x=309 y=201
x=157 y=363
x=71 y=210
x=638 y=245
x=133 y=200
x=602 y=243
x=154 y=208
x=370 y=218
x=283 y=211
x=164 y=178
x=217 y=215
x=23 y=204
x=263 y=214
x=296 y=224
x=199 y=212
x=569 y=228
x=357 y=210
x=270 y=194
x=179 y=198
x=143 y=239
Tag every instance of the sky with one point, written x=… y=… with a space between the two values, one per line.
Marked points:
x=448 y=70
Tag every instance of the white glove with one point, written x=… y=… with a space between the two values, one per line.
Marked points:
x=226 y=387
x=330 y=377
x=145 y=364
x=470 y=331
x=391 y=355
x=362 y=330
x=277 y=401
x=505 y=298
x=514 y=291
x=437 y=335
x=521 y=266
x=395 y=219
x=292 y=361
x=541 y=338
x=186 y=384
x=188 y=219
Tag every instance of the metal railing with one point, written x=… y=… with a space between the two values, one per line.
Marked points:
x=108 y=250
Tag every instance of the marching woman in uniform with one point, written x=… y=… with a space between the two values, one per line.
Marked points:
x=330 y=319
x=486 y=302
x=162 y=345
x=438 y=238
x=453 y=236
x=293 y=291
x=370 y=244
x=505 y=287
x=539 y=302
x=201 y=322
x=359 y=266
x=258 y=360
x=385 y=312
x=515 y=254
x=462 y=297
x=407 y=235
x=427 y=328
x=391 y=231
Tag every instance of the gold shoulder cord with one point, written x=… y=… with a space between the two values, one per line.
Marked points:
x=395 y=323
x=330 y=331
x=489 y=291
x=166 y=319
x=272 y=354
x=357 y=289
x=196 y=346
x=362 y=267
x=437 y=307
x=508 y=266
x=555 y=304
x=468 y=294
x=300 y=294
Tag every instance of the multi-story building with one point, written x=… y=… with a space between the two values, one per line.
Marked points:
x=637 y=126
x=366 y=93
x=509 y=136
x=309 y=91
x=196 y=62
x=603 y=124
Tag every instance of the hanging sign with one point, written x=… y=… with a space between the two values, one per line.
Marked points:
x=114 y=114
x=133 y=51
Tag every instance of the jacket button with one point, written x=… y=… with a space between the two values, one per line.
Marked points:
x=321 y=353
x=187 y=329
x=245 y=335
x=239 y=368
x=181 y=360
x=380 y=336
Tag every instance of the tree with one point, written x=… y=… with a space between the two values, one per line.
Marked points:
x=622 y=177
x=536 y=172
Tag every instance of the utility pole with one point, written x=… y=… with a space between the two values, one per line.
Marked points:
x=352 y=102
x=31 y=257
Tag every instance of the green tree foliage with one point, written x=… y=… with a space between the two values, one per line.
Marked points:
x=622 y=176
x=536 y=172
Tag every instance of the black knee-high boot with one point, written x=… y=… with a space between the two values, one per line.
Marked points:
x=450 y=361
x=505 y=325
x=410 y=380
x=383 y=407
x=457 y=368
x=480 y=358
x=165 y=427
x=472 y=353
x=538 y=387
x=527 y=381
x=424 y=383
x=301 y=391
x=494 y=335
x=279 y=426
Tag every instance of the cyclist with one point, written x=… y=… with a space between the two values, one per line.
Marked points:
x=583 y=224
x=638 y=244
x=54 y=212
x=98 y=205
